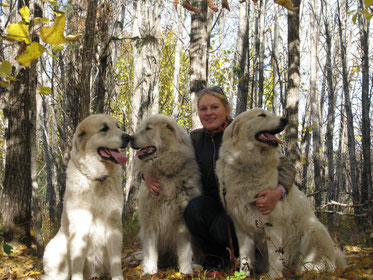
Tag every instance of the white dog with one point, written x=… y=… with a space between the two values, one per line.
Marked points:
x=166 y=152
x=89 y=241
x=247 y=164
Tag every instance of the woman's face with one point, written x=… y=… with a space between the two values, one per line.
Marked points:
x=211 y=112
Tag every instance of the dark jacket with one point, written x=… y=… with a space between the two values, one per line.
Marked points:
x=207 y=147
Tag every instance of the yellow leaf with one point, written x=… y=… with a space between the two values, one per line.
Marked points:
x=368 y=3
x=54 y=34
x=19 y=32
x=4 y=84
x=73 y=38
x=288 y=4
x=57 y=48
x=5 y=68
x=53 y=2
x=31 y=53
x=45 y=90
x=25 y=13
x=42 y=20
x=12 y=78
x=4 y=4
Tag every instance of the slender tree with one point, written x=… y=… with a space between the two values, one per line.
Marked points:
x=292 y=98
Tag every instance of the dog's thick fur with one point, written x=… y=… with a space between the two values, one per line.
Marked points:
x=89 y=241
x=166 y=152
x=247 y=164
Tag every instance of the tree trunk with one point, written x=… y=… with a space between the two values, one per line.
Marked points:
x=15 y=202
x=331 y=112
x=366 y=174
x=348 y=110
x=176 y=77
x=315 y=103
x=260 y=51
x=242 y=54
x=145 y=100
x=293 y=150
x=87 y=56
x=199 y=46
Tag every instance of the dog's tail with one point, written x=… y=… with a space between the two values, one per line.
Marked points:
x=340 y=259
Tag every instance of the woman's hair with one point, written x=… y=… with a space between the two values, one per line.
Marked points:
x=214 y=91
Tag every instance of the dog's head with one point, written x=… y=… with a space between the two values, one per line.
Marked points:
x=158 y=133
x=258 y=127
x=99 y=136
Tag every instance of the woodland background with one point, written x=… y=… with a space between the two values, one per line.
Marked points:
x=309 y=60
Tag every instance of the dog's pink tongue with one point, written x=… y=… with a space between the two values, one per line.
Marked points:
x=271 y=137
x=119 y=157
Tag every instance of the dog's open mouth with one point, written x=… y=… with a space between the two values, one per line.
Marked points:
x=112 y=154
x=269 y=137
x=146 y=151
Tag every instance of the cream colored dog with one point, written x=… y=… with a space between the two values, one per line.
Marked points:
x=247 y=164
x=166 y=152
x=89 y=241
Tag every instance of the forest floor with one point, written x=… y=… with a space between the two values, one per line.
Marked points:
x=22 y=262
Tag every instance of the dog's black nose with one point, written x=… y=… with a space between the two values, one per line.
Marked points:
x=126 y=138
x=284 y=121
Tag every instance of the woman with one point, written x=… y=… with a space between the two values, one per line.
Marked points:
x=205 y=215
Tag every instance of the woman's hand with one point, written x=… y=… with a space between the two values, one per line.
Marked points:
x=152 y=183
x=267 y=200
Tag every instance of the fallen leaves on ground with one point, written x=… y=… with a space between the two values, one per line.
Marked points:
x=23 y=264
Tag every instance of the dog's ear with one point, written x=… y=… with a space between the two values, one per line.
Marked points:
x=232 y=129
x=79 y=139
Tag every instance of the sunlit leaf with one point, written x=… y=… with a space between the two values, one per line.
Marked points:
x=57 y=48
x=73 y=38
x=25 y=13
x=32 y=52
x=4 y=84
x=288 y=4
x=54 y=34
x=45 y=90
x=225 y=5
x=42 y=20
x=189 y=7
x=211 y=5
x=12 y=78
x=53 y=2
x=19 y=32
x=5 y=68
x=176 y=3
x=4 y=4
x=368 y=3
x=354 y=18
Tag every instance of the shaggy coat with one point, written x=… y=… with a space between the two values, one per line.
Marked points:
x=89 y=241
x=166 y=152
x=291 y=235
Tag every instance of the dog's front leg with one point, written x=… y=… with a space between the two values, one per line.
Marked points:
x=184 y=250
x=79 y=227
x=150 y=247
x=274 y=237
x=115 y=249
x=247 y=251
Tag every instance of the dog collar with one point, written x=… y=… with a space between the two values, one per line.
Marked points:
x=103 y=178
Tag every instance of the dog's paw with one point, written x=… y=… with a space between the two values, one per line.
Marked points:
x=186 y=268
x=149 y=268
x=245 y=267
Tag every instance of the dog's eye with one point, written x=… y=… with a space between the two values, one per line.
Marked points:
x=105 y=128
x=262 y=115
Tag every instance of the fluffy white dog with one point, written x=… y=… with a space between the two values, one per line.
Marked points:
x=166 y=152
x=89 y=241
x=247 y=164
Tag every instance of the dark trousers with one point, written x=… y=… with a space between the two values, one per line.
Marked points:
x=208 y=223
